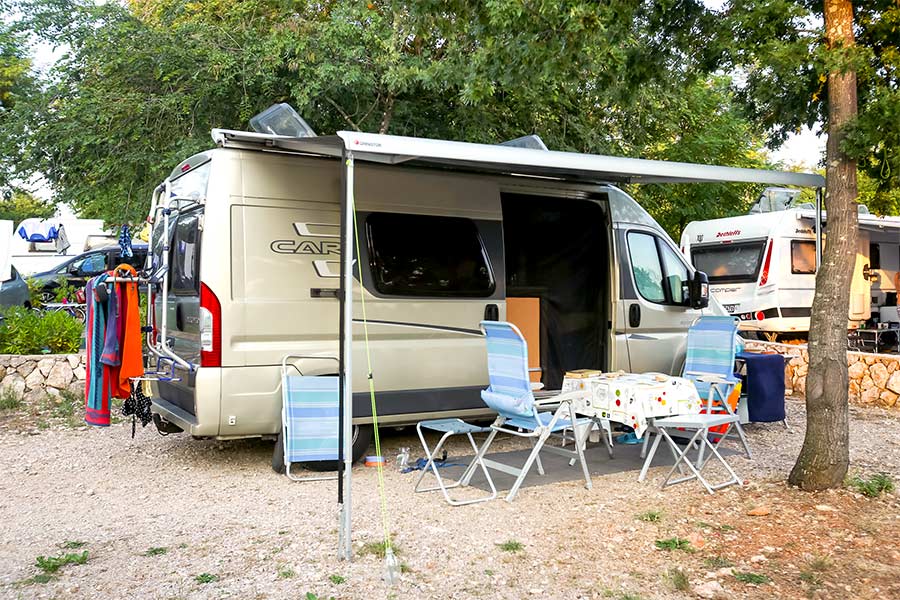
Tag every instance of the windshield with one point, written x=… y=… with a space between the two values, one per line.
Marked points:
x=729 y=263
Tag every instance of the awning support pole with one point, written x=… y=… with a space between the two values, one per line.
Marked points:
x=818 y=228
x=345 y=550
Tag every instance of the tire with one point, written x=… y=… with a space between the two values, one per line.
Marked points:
x=362 y=437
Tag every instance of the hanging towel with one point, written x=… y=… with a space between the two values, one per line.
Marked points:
x=131 y=361
x=110 y=354
x=97 y=389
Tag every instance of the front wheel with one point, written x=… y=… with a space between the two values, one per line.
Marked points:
x=362 y=437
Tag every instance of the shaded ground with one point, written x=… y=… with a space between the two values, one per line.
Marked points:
x=173 y=517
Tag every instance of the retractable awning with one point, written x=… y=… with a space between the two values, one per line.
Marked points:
x=488 y=158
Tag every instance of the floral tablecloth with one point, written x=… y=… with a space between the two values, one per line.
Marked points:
x=633 y=399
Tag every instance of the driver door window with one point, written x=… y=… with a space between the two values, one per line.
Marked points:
x=93 y=264
x=658 y=273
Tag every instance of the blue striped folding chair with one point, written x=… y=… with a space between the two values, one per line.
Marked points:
x=518 y=412
x=309 y=417
x=709 y=364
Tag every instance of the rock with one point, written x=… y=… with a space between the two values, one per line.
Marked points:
x=869 y=396
x=758 y=558
x=16 y=360
x=77 y=388
x=866 y=382
x=26 y=368
x=869 y=360
x=52 y=392
x=709 y=589
x=800 y=387
x=34 y=397
x=44 y=365
x=2 y=372
x=854 y=389
x=888 y=398
x=802 y=370
x=893 y=384
x=13 y=382
x=879 y=374
x=35 y=380
x=696 y=540
x=825 y=508
x=852 y=358
x=856 y=370
x=60 y=375
x=892 y=366
x=759 y=511
x=74 y=360
x=79 y=373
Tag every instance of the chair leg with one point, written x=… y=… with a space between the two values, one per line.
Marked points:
x=429 y=456
x=605 y=426
x=537 y=458
x=527 y=466
x=646 y=443
x=479 y=456
x=682 y=458
x=580 y=441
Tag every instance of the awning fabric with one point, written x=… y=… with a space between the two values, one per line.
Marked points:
x=496 y=159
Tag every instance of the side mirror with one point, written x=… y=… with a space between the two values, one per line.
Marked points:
x=698 y=290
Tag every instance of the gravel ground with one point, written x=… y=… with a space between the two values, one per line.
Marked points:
x=162 y=516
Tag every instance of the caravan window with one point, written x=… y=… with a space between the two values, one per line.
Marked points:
x=419 y=255
x=729 y=263
x=803 y=257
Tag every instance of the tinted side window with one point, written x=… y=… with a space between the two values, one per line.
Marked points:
x=803 y=257
x=419 y=255
x=185 y=257
x=645 y=265
x=676 y=274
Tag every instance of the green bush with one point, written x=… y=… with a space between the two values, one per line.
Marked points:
x=25 y=331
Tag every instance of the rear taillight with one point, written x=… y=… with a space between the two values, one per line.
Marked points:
x=765 y=271
x=210 y=328
x=760 y=315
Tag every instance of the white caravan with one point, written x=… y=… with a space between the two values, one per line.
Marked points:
x=449 y=234
x=36 y=257
x=762 y=267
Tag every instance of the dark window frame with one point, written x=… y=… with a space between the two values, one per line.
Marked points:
x=197 y=214
x=748 y=278
x=659 y=244
x=373 y=258
x=794 y=271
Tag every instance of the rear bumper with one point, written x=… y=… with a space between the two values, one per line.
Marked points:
x=205 y=391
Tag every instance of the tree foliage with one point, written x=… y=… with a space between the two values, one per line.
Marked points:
x=21 y=205
x=142 y=85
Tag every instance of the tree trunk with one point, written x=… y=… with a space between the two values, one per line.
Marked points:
x=825 y=455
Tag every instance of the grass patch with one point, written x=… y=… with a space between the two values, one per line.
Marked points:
x=155 y=551
x=717 y=562
x=287 y=573
x=874 y=486
x=312 y=596
x=678 y=580
x=511 y=546
x=39 y=578
x=52 y=564
x=206 y=578
x=810 y=578
x=674 y=543
x=73 y=545
x=405 y=568
x=651 y=516
x=378 y=549
x=489 y=572
x=752 y=578
x=337 y=579
x=629 y=596
x=819 y=563
x=10 y=400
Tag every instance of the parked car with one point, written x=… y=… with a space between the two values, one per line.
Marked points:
x=14 y=291
x=77 y=270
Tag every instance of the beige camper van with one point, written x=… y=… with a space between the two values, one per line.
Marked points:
x=254 y=272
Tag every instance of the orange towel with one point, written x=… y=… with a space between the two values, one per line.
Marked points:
x=130 y=337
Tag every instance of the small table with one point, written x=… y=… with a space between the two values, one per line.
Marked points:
x=634 y=399
x=860 y=342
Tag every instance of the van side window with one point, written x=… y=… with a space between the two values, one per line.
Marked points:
x=803 y=257
x=658 y=272
x=421 y=255
x=645 y=265
x=185 y=257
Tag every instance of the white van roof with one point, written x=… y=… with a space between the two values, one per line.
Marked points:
x=488 y=158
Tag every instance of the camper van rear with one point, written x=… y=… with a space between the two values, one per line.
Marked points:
x=254 y=276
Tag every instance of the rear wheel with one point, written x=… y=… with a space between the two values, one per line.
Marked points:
x=362 y=437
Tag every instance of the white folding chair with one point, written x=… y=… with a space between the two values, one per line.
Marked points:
x=449 y=428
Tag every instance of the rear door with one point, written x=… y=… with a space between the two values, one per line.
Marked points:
x=183 y=306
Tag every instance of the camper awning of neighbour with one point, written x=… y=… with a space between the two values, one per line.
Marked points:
x=487 y=158
x=867 y=222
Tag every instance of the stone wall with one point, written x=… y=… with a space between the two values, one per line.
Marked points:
x=32 y=377
x=874 y=378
